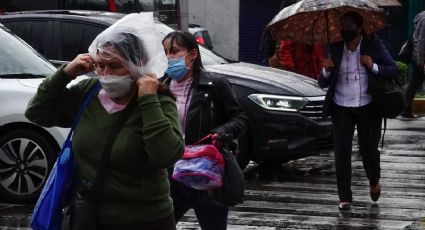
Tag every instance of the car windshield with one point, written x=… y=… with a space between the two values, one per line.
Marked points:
x=17 y=58
x=211 y=58
x=208 y=57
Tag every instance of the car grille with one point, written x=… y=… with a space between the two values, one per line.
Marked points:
x=314 y=108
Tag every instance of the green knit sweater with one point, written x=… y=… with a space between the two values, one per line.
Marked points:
x=136 y=185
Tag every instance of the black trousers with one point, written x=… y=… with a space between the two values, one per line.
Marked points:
x=210 y=217
x=368 y=124
x=415 y=83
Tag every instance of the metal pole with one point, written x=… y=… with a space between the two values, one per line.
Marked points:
x=184 y=15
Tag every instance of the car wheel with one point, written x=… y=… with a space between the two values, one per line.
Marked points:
x=26 y=159
x=243 y=153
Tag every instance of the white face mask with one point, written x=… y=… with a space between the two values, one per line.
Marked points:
x=116 y=86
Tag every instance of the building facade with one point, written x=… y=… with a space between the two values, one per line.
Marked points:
x=236 y=26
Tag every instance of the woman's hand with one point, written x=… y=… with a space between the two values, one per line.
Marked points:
x=219 y=138
x=366 y=60
x=82 y=64
x=148 y=84
x=216 y=140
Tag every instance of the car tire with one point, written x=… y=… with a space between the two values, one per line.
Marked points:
x=244 y=150
x=26 y=158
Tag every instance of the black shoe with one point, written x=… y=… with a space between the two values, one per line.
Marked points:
x=344 y=206
x=375 y=192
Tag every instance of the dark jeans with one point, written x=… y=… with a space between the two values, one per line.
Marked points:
x=166 y=223
x=368 y=123
x=210 y=217
x=415 y=83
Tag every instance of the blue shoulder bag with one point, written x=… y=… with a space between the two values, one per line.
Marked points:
x=55 y=194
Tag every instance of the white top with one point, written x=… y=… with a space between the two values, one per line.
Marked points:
x=352 y=83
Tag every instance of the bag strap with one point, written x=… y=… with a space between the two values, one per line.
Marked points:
x=93 y=92
x=104 y=164
x=207 y=137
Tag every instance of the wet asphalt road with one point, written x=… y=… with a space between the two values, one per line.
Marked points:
x=302 y=194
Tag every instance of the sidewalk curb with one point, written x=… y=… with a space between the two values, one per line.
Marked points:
x=418 y=106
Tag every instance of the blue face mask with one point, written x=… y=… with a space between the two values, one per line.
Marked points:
x=177 y=68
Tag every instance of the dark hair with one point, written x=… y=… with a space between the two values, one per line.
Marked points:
x=354 y=16
x=188 y=41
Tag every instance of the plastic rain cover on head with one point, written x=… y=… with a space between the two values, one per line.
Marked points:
x=134 y=40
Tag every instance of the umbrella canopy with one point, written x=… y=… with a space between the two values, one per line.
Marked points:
x=387 y=3
x=317 y=21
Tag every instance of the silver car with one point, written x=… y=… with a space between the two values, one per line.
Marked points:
x=27 y=151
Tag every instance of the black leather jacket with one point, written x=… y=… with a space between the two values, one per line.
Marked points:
x=213 y=109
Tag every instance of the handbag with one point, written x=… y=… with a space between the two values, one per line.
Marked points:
x=233 y=189
x=388 y=95
x=47 y=211
x=81 y=211
x=201 y=166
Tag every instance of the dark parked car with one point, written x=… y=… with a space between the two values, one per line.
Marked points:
x=284 y=108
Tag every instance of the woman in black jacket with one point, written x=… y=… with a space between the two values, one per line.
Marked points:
x=349 y=72
x=207 y=105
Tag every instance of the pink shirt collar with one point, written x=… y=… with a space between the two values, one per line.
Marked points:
x=108 y=104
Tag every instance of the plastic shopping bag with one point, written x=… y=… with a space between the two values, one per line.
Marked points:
x=201 y=167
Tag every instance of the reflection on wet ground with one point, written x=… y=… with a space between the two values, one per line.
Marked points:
x=302 y=194
x=14 y=216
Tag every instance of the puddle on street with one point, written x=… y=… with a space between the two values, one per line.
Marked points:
x=20 y=222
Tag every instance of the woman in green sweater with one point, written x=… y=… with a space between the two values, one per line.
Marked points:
x=136 y=191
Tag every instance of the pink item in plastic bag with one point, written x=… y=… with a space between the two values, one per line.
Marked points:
x=201 y=166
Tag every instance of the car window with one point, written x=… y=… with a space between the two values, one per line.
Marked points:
x=16 y=57
x=206 y=40
x=67 y=47
x=124 y=6
x=76 y=38
x=34 y=32
x=86 y=4
x=128 y=6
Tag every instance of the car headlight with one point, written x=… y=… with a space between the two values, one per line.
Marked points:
x=279 y=103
